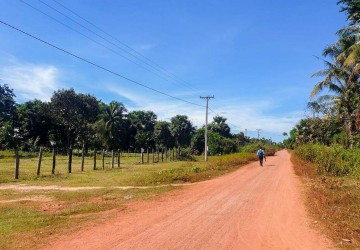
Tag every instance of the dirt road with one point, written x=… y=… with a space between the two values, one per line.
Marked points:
x=252 y=208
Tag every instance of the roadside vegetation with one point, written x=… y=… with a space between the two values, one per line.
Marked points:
x=333 y=202
x=326 y=143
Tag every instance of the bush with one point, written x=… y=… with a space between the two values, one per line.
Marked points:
x=270 y=150
x=333 y=160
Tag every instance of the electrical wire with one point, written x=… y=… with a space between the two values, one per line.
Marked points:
x=97 y=65
x=112 y=43
x=89 y=38
x=123 y=44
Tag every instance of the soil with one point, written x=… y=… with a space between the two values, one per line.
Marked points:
x=252 y=208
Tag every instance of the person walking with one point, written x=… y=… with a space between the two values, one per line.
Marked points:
x=261 y=155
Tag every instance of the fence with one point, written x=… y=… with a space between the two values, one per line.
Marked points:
x=118 y=157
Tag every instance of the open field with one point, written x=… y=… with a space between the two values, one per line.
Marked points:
x=32 y=215
x=130 y=173
x=333 y=203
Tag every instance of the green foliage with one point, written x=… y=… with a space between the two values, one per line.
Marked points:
x=35 y=124
x=316 y=130
x=75 y=120
x=253 y=148
x=75 y=112
x=7 y=103
x=334 y=160
x=182 y=130
x=163 y=136
x=191 y=172
x=220 y=145
x=198 y=142
x=144 y=124
x=111 y=127
x=220 y=126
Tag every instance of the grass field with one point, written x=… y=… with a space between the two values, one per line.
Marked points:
x=333 y=203
x=31 y=218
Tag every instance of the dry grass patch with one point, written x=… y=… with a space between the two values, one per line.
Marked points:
x=29 y=220
x=333 y=203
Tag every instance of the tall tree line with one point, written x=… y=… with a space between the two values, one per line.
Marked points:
x=336 y=114
x=74 y=120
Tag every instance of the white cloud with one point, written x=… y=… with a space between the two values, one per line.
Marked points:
x=31 y=81
x=144 y=47
x=249 y=115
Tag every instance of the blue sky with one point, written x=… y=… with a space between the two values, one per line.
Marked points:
x=255 y=56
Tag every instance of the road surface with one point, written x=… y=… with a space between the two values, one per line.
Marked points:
x=252 y=208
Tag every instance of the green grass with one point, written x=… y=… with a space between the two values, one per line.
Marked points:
x=48 y=213
x=129 y=173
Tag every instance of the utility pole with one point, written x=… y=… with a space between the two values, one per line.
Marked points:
x=246 y=132
x=258 y=130
x=206 y=123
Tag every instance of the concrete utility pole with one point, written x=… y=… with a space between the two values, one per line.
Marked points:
x=258 y=130
x=206 y=123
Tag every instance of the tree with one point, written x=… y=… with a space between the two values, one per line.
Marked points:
x=162 y=135
x=35 y=123
x=342 y=74
x=220 y=126
x=144 y=123
x=110 y=127
x=75 y=113
x=219 y=144
x=344 y=98
x=182 y=130
x=7 y=103
x=240 y=139
x=198 y=142
x=9 y=125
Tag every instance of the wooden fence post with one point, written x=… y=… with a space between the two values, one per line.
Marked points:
x=118 y=159
x=95 y=152
x=147 y=152
x=103 y=158
x=53 y=161
x=153 y=156
x=82 y=157
x=17 y=164
x=39 y=162
x=112 y=158
x=70 y=159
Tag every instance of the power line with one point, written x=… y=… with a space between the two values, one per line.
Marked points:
x=91 y=39
x=114 y=44
x=98 y=66
x=122 y=43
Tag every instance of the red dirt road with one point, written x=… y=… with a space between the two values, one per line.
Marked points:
x=251 y=208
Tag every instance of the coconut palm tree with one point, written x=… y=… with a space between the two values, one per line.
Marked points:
x=343 y=94
x=110 y=124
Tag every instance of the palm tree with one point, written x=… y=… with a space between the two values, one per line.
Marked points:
x=337 y=80
x=110 y=123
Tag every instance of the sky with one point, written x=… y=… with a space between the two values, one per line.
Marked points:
x=256 y=57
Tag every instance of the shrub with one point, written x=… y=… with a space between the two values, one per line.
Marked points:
x=334 y=160
x=253 y=148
